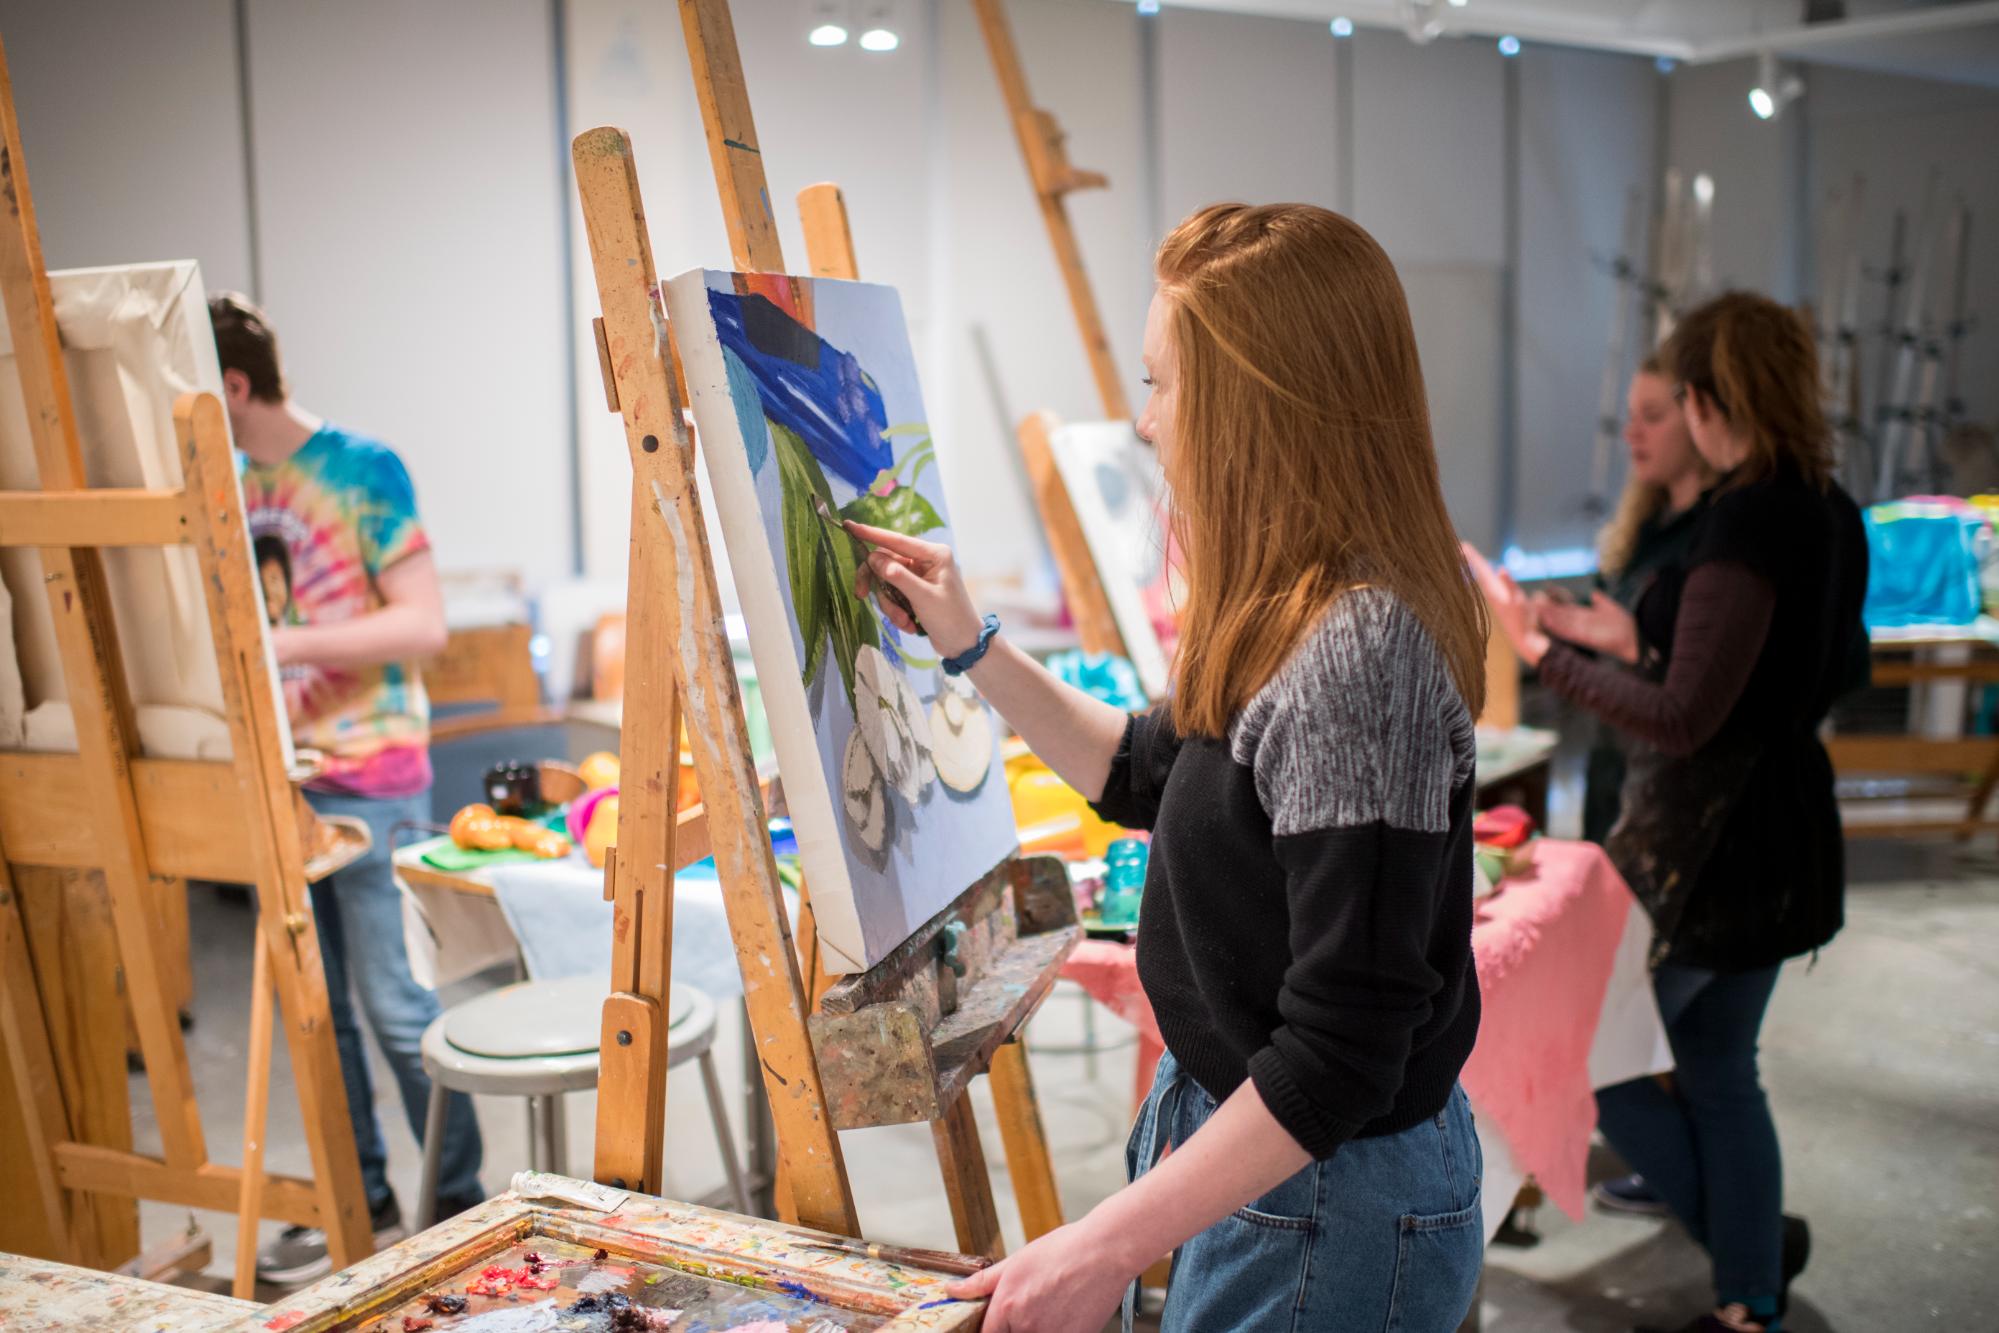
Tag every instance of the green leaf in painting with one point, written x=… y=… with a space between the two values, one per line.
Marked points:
x=902 y=510
x=822 y=564
x=804 y=543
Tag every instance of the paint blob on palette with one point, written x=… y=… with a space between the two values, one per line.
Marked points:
x=552 y=1286
x=810 y=413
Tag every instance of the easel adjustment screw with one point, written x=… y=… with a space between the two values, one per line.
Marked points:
x=624 y=1038
x=297 y=922
x=650 y=444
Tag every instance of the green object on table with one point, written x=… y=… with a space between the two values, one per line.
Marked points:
x=448 y=856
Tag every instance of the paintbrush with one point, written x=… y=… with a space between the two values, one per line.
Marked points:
x=887 y=589
x=937 y=1261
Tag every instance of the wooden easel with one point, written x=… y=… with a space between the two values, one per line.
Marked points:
x=902 y=1041
x=1044 y=147
x=90 y=841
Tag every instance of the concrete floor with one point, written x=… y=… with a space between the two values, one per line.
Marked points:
x=1882 y=1061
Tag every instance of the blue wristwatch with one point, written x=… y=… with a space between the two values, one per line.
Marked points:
x=965 y=661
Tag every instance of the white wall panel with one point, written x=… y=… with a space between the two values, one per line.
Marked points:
x=407 y=196
x=130 y=122
x=1429 y=147
x=1588 y=129
x=1247 y=111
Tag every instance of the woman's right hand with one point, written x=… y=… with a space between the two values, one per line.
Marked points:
x=927 y=574
x=1511 y=610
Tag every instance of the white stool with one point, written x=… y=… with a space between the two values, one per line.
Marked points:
x=538 y=1040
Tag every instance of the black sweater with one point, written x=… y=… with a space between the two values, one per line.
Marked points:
x=1308 y=908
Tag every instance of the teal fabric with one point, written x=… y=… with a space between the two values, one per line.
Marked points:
x=1923 y=559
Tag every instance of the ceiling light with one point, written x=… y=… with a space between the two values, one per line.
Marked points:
x=829 y=23
x=1148 y=7
x=878 y=27
x=1459 y=4
x=1773 y=90
x=1509 y=45
x=1342 y=27
x=1665 y=64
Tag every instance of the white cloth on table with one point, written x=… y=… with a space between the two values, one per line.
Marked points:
x=563 y=925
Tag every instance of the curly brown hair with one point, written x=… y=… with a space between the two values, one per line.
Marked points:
x=1756 y=362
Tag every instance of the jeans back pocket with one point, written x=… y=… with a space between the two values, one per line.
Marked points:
x=1437 y=1262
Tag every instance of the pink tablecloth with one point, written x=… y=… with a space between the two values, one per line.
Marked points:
x=1545 y=946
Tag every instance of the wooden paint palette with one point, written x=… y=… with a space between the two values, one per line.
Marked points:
x=516 y=1266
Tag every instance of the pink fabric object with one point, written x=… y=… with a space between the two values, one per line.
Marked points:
x=1545 y=946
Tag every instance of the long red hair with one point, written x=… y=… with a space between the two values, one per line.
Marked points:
x=1302 y=464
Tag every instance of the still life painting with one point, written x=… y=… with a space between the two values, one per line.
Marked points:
x=809 y=412
x=1114 y=484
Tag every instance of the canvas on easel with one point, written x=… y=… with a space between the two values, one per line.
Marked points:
x=1115 y=486
x=806 y=395
x=135 y=337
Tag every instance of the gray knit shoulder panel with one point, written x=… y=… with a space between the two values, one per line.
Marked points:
x=1363 y=723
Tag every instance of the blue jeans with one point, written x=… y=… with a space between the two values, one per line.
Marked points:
x=359 y=914
x=1385 y=1235
x=1709 y=1146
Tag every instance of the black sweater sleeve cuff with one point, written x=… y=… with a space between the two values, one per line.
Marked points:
x=1138 y=773
x=1317 y=1133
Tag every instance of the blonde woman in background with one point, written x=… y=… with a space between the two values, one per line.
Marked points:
x=1648 y=533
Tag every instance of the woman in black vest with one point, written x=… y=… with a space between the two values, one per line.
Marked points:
x=1730 y=834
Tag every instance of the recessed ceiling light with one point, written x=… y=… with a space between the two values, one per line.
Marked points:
x=1509 y=45
x=1342 y=27
x=880 y=39
x=827 y=34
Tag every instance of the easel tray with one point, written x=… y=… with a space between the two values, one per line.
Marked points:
x=522 y=1264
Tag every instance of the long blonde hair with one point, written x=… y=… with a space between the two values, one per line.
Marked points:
x=1302 y=463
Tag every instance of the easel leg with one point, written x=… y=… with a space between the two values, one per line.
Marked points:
x=967 y=1183
x=1026 y=1142
x=31 y=1064
x=256 y=1106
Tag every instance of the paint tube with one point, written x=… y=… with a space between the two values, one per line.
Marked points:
x=582 y=1193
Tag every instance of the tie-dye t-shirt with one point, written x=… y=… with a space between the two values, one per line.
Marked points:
x=325 y=523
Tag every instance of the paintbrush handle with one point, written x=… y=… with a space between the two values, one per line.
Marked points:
x=937 y=1261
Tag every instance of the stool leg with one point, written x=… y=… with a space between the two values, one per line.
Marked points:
x=557 y=1120
x=433 y=1154
x=534 y=1135
x=738 y=1188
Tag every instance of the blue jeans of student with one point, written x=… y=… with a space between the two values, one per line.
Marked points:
x=1383 y=1237
x=1709 y=1146
x=359 y=913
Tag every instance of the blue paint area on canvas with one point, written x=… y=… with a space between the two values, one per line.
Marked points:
x=749 y=410
x=807 y=385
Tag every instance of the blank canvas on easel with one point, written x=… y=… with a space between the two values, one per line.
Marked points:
x=806 y=390
x=134 y=339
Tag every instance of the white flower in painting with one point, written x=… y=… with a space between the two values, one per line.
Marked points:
x=961 y=734
x=863 y=795
x=891 y=723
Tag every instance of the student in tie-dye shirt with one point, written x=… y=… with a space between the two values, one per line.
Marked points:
x=351 y=589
